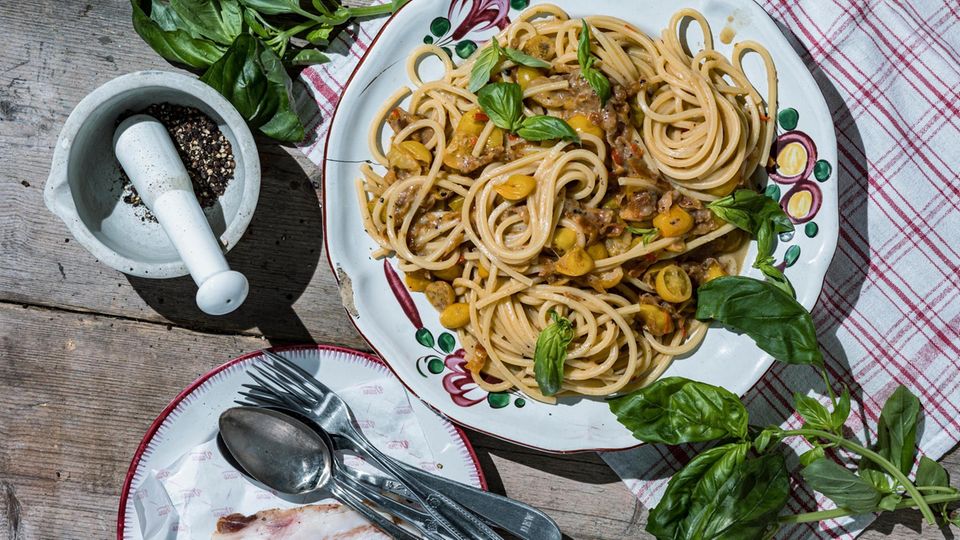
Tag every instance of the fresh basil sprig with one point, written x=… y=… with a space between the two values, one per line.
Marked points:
x=597 y=80
x=725 y=492
x=503 y=103
x=772 y=318
x=551 y=353
x=491 y=55
x=646 y=235
x=246 y=47
x=763 y=218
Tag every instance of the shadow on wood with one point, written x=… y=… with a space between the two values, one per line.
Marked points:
x=279 y=255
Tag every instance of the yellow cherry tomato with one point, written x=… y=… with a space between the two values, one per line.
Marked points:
x=725 y=188
x=611 y=278
x=581 y=124
x=516 y=187
x=655 y=319
x=495 y=140
x=674 y=222
x=575 y=263
x=564 y=239
x=526 y=74
x=448 y=274
x=472 y=121
x=714 y=271
x=673 y=284
x=417 y=150
x=597 y=252
x=455 y=316
x=417 y=281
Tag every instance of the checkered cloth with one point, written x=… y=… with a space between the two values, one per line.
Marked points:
x=889 y=312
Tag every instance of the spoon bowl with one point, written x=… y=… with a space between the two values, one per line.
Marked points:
x=277 y=450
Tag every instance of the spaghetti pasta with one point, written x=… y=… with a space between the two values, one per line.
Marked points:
x=611 y=233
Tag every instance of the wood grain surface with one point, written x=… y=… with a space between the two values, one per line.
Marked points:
x=88 y=356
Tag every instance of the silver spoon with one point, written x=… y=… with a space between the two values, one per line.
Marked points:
x=286 y=455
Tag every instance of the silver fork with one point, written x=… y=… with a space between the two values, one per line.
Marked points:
x=299 y=390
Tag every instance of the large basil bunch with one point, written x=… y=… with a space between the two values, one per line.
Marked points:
x=244 y=48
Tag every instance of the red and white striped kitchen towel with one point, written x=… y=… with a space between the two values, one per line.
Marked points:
x=890 y=308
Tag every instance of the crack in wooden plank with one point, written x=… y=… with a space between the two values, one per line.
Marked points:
x=9 y=511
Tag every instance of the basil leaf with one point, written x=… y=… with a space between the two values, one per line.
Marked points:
x=320 y=35
x=167 y=18
x=503 y=103
x=666 y=518
x=874 y=476
x=217 y=20
x=551 y=353
x=250 y=18
x=597 y=80
x=544 y=128
x=889 y=502
x=746 y=505
x=763 y=440
x=305 y=57
x=931 y=474
x=524 y=59
x=675 y=410
x=843 y=487
x=812 y=455
x=897 y=428
x=647 y=235
x=488 y=59
x=813 y=412
x=842 y=411
x=252 y=77
x=583 y=47
x=274 y=7
x=776 y=322
x=175 y=45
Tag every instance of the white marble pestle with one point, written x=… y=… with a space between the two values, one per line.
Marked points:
x=149 y=158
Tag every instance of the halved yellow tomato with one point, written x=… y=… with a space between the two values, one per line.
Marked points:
x=673 y=284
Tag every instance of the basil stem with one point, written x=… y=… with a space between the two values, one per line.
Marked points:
x=883 y=462
x=843 y=512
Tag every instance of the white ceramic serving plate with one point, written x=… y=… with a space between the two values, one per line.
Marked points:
x=191 y=419
x=424 y=358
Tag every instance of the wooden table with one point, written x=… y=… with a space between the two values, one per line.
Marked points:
x=89 y=356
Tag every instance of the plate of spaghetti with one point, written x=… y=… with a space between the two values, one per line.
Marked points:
x=521 y=200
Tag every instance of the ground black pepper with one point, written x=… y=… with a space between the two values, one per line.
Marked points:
x=204 y=149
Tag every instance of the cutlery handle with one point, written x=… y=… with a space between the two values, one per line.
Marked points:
x=513 y=516
x=441 y=507
x=419 y=519
x=354 y=500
